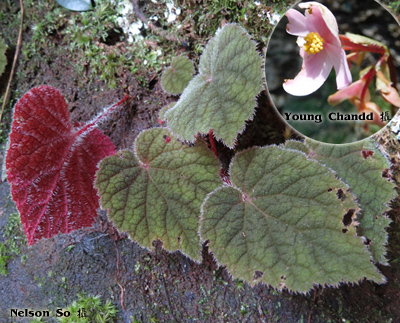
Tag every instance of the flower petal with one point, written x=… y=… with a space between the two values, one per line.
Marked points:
x=322 y=20
x=356 y=57
x=384 y=85
x=351 y=92
x=338 y=58
x=297 y=23
x=376 y=111
x=391 y=96
x=315 y=71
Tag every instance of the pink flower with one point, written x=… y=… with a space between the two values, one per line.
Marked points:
x=352 y=93
x=320 y=48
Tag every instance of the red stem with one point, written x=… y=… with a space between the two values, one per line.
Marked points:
x=392 y=69
x=368 y=78
x=222 y=172
x=102 y=115
x=347 y=44
x=212 y=142
x=370 y=75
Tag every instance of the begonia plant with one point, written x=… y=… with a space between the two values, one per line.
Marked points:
x=293 y=216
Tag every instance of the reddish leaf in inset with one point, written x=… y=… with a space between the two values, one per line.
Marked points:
x=51 y=165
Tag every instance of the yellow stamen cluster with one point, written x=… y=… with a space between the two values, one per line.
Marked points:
x=314 y=43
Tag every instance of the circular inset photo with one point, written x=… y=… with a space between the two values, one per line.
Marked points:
x=332 y=68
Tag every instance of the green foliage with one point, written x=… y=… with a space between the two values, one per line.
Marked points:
x=87 y=32
x=282 y=217
x=394 y=5
x=223 y=95
x=252 y=15
x=49 y=23
x=89 y=28
x=94 y=310
x=86 y=37
x=3 y=58
x=164 y=109
x=4 y=258
x=177 y=76
x=364 y=176
x=15 y=238
x=156 y=192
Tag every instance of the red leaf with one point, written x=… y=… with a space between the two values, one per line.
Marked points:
x=51 y=165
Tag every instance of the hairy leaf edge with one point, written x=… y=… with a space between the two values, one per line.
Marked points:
x=262 y=87
x=254 y=282
x=142 y=165
x=386 y=206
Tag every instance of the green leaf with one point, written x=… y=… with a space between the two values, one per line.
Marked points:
x=364 y=176
x=3 y=58
x=282 y=217
x=297 y=145
x=156 y=192
x=223 y=96
x=178 y=75
x=76 y=5
x=164 y=109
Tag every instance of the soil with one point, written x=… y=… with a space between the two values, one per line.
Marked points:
x=155 y=285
